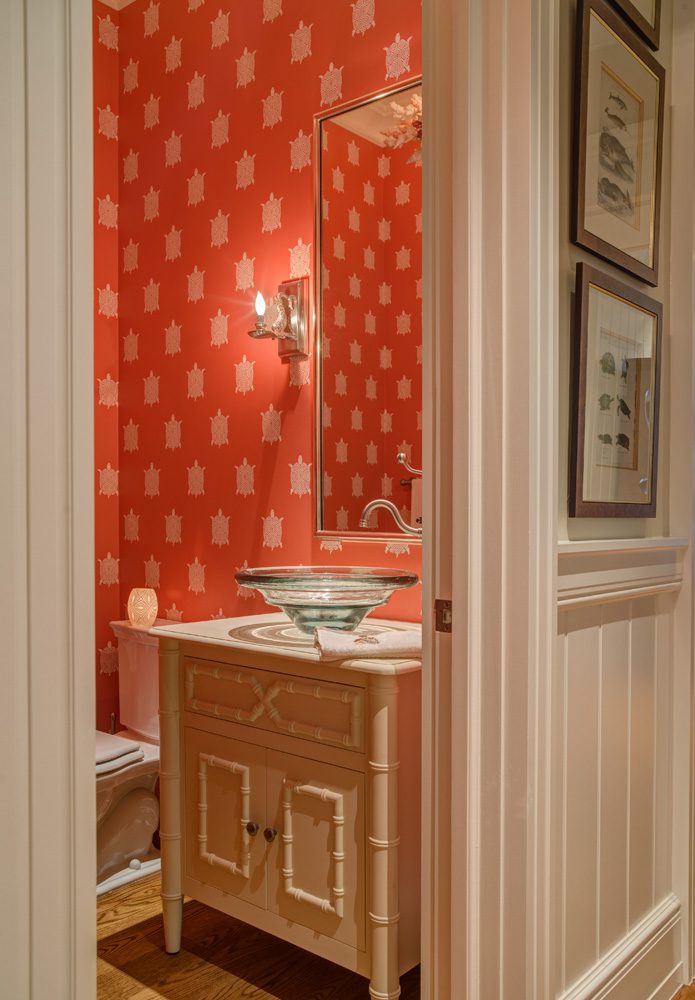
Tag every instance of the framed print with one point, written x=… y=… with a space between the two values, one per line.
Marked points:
x=619 y=124
x=615 y=399
x=644 y=16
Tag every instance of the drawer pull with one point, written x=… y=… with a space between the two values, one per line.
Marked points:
x=270 y=834
x=252 y=828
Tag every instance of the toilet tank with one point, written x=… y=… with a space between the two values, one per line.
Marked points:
x=138 y=680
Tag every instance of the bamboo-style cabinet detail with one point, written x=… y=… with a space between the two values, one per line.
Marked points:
x=290 y=793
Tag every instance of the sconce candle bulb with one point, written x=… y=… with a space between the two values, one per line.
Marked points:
x=285 y=319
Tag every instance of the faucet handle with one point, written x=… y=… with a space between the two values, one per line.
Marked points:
x=402 y=459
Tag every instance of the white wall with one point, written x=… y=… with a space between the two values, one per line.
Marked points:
x=570 y=255
x=621 y=772
x=612 y=789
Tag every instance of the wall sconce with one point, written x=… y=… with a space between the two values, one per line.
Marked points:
x=284 y=318
x=142 y=607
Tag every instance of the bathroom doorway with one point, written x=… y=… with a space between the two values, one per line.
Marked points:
x=235 y=152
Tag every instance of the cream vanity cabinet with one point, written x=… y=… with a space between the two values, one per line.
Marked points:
x=290 y=792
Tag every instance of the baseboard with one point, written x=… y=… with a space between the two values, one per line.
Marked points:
x=148 y=866
x=670 y=988
x=645 y=963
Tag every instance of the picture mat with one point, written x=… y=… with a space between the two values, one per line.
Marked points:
x=618 y=470
x=647 y=8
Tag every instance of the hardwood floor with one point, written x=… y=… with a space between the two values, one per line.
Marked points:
x=220 y=958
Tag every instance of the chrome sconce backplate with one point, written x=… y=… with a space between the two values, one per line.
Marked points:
x=293 y=297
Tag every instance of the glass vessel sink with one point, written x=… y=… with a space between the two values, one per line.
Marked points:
x=326 y=596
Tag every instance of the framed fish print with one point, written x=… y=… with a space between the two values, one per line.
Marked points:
x=619 y=125
x=615 y=399
x=644 y=16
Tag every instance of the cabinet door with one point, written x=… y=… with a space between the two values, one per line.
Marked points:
x=225 y=791
x=316 y=864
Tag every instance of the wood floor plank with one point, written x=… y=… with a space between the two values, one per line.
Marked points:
x=128 y=905
x=220 y=958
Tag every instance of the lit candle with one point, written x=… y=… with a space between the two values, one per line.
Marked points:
x=260 y=305
x=142 y=607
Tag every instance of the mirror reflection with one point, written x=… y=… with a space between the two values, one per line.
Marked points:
x=369 y=314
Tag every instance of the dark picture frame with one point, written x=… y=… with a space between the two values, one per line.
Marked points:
x=650 y=30
x=618 y=143
x=616 y=374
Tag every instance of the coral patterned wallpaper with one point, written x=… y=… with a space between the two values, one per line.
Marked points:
x=212 y=122
x=106 y=350
x=372 y=321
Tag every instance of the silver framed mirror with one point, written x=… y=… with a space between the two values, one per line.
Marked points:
x=368 y=315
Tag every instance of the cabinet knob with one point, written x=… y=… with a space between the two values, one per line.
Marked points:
x=270 y=834
x=252 y=828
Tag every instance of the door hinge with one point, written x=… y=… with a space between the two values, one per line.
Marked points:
x=442 y=615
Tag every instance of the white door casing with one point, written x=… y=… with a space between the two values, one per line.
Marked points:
x=47 y=918
x=490 y=448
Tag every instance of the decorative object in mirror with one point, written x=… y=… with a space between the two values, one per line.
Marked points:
x=284 y=319
x=615 y=405
x=369 y=310
x=619 y=123
x=336 y=597
x=644 y=16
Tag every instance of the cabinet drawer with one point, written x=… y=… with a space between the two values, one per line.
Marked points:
x=318 y=711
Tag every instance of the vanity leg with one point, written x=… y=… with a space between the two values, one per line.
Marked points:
x=170 y=793
x=383 y=837
x=172 y=916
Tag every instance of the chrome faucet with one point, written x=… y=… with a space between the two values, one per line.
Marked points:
x=394 y=511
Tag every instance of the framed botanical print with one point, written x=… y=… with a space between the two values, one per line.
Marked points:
x=644 y=16
x=619 y=124
x=615 y=399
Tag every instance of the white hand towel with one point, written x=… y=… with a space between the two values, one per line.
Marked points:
x=111 y=766
x=333 y=644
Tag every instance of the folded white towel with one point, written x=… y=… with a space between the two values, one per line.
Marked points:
x=333 y=644
x=111 y=766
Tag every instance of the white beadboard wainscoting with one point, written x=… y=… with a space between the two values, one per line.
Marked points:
x=618 y=919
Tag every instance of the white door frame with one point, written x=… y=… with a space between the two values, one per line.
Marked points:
x=681 y=310
x=490 y=300
x=47 y=916
x=490 y=443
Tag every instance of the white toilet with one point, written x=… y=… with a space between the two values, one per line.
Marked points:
x=127 y=766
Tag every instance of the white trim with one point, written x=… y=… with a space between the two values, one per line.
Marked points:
x=47 y=712
x=14 y=704
x=680 y=303
x=622 y=545
x=491 y=220
x=600 y=981
x=542 y=845
x=148 y=866
x=590 y=573
x=438 y=62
